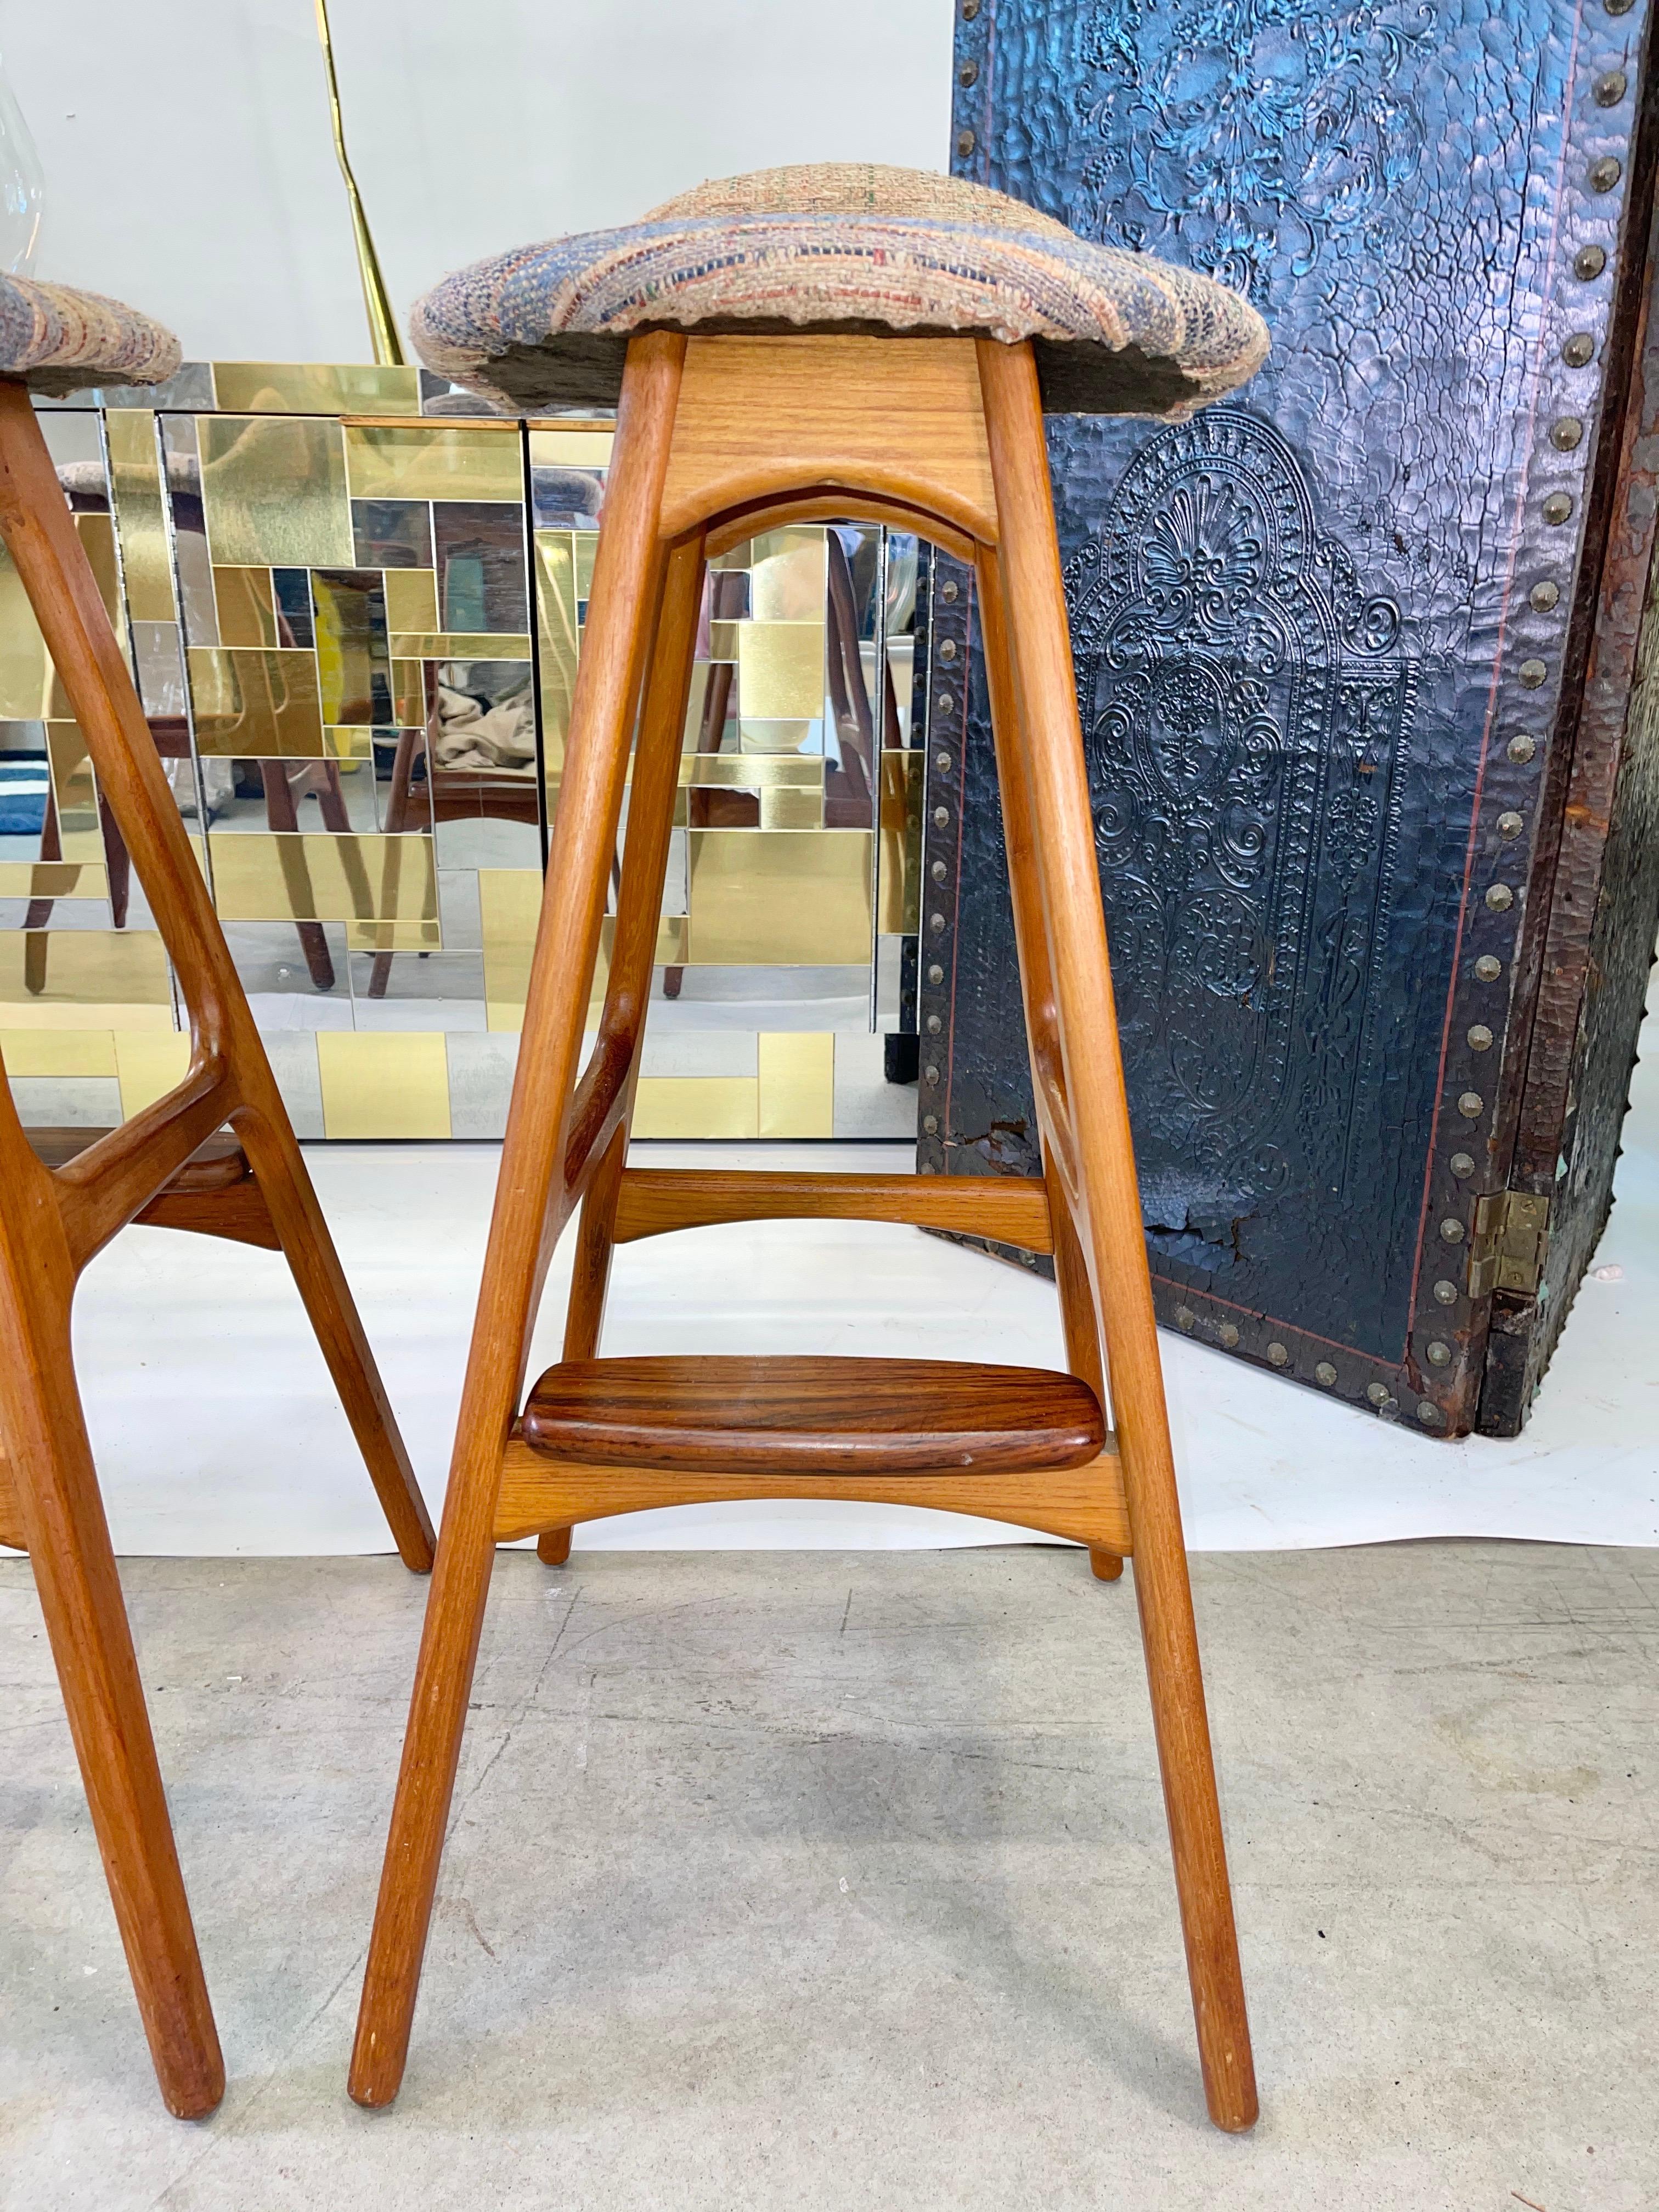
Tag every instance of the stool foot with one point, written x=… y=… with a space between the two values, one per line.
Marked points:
x=1106 y=1565
x=553 y=1547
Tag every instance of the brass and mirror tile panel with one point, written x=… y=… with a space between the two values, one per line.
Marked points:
x=354 y=609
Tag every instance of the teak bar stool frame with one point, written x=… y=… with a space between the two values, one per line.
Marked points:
x=718 y=437
x=52 y=1221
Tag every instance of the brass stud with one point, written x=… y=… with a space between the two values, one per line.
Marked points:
x=1451 y=1230
x=1471 y=1105
x=1499 y=898
x=936 y=923
x=970 y=9
x=1461 y=1164
x=1531 y=674
x=1544 y=596
x=1228 y=1335
x=946 y=703
x=1326 y=1373
x=1620 y=7
x=1439 y=1354
x=941 y=760
x=968 y=73
x=1579 y=349
x=1428 y=1415
x=926 y=1166
x=1185 y=1317
x=1377 y=1393
x=964 y=144
x=1278 y=1355
x=947 y=650
x=932 y=1074
x=1479 y=1038
x=1589 y=262
x=941 y=817
x=1522 y=749
x=1565 y=435
x=948 y=590
x=1605 y=174
x=1446 y=1292
x=1510 y=825
x=938 y=873
x=1611 y=89
x=934 y=1026
x=930 y=1123
x=935 y=973
x=1557 y=507
x=1488 y=968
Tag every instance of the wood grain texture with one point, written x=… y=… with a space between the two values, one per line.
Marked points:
x=810 y=1416
x=1084 y=1503
x=738 y=525
x=11 y=1513
x=1104 y=1201
x=765 y=419
x=654 y=1201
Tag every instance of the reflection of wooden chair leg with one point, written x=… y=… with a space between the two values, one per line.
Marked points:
x=170 y=1164
x=397 y=814
x=725 y=603
x=846 y=791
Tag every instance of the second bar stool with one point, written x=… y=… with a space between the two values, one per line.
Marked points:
x=800 y=345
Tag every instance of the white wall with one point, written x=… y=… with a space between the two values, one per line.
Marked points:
x=189 y=168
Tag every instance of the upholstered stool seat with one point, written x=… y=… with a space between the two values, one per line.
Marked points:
x=56 y=340
x=844 y=246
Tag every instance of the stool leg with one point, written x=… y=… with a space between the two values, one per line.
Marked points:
x=533 y=1201
x=1080 y=1093
x=69 y=1546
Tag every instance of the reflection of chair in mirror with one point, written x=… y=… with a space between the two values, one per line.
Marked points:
x=63 y=1195
x=718 y=437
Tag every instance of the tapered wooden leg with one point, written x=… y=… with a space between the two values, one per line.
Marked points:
x=531 y=1200
x=1090 y=1116
x=275 y=1157
x=68 y=1539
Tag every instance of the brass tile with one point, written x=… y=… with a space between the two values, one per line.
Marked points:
x=693 y=1106
x=150 y=1062
x=57 y=1052
x=797 y=1083
x=459 y=645
x=274 y=492
x=245 y=607
x=784 y=808
x=136 y=476
x=788 y=579
x=255 y=704
x=75 y=787
x=412 y=935
x=779 y=898
x=754 y=771
x=54 y=879
x=383 y=1083
x=412 y=599
x=354 y=664
x=261 y=875
x=774 y=736
x=79 y=970
x=288 y=387
x=344 y=742
x=557 y=592
x=571 y=449
x=509 y=905
x=900 y=900
x=428 y=462
x=408 y=694
x=780 y=669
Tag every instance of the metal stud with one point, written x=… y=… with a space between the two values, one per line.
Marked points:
x=1326 y=1373
x=1589 y=262
x=1531 y=674
x=938 y=873
x=1446 y=1292
x=930 y=1123
x=947 y=650
x=1563 y=437
x=1278 y=1355
x=968 y=73
x=1228 y=1335
x=936 y=923
x=1439 y=1354
x=1479 y=1038
x=1522 y=749
x=935 y=973
x=1557 y=507
x=1510 y=825
x=1499 y=898
x=1471 y=1105
x=946 y=703
x=1428 y=1415
x=1185 y=1317
x=1461 y=1165
x=1488 y=968
x=1544 y=596
x=964 y=144
x=1611 y=89
x=1579 y=349
x=1605 y=174
x=941 y=816
x=932 y=1074
x=950 y=587
x=970 y=9
x=1452 y=1230
x=1377 y=1393
x=1620 y=7
x=934 y=1026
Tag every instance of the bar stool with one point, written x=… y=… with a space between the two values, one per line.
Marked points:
x=798 y=345
x=63 y=1193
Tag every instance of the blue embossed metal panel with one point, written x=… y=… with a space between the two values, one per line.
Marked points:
x=1328 y=662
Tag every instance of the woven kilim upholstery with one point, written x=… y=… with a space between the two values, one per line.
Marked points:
x=56 y=340
x=844 y=246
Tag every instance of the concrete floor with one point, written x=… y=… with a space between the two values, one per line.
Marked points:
x=814 y=1880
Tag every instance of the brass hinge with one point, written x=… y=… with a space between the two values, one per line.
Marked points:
x=1512 y=1230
